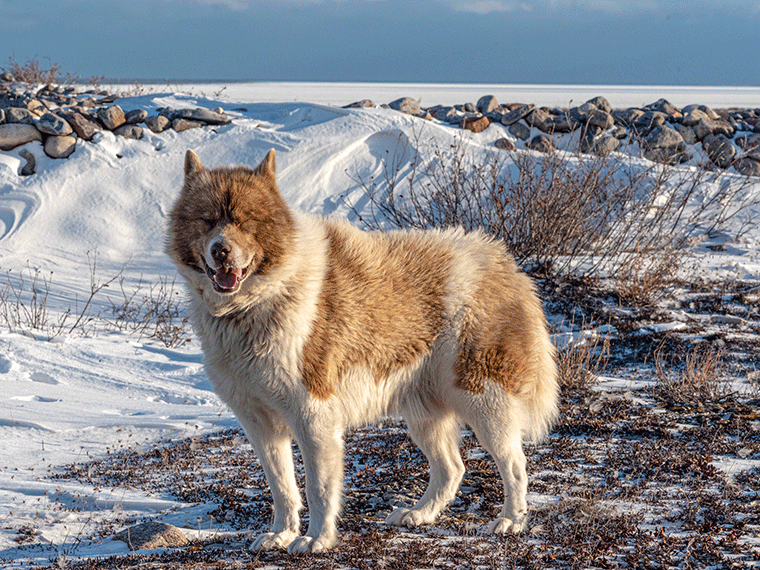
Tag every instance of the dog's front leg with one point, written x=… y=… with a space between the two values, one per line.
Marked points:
x=321 y=444
x=271 y=439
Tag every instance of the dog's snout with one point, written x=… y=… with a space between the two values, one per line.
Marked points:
x=220 y=252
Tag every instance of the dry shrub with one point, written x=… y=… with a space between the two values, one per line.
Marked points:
x=580 y=363
x=648 y=278
x=693 y=377
x=559 y=213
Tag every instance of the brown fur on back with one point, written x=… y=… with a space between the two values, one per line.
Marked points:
x=381 y=306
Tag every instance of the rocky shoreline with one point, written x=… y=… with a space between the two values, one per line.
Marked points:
x=59 y=117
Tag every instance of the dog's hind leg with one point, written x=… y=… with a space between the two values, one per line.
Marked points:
x=438 y=438
x=271 y=439
x=502 y=438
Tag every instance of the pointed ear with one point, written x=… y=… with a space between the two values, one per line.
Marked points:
x=268 y=166
x=192 y=163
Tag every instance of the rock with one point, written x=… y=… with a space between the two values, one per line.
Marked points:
x=60 y=147
x=111 y=117
x=601 y=103
x=662 y=106
x=504 y=144
x=708 y=126
x=16 y=134
x=19 y=115
x=158 y=124
x=748 y=142
x=405 y=105
x=2 y=115
x=601 y=119
x=135 y=116
x=541 y=143
x=469 y=108
x=712 y=115
x=719 y=149
x=516 y=114
x=672 y=155
x=627 y=117
x=687 y=133
x=446 y=114
x=647 y=122
x=520 y=131
x=692 y=118
x=606 y=145
x=211 y=117
x=476 y=125
x=664 y=137
x=541 y=119
x=588 y=138
x=747 y=166
x=563 y=122
x=84 y=126
x=150 y=535
x=51 y=124
x=486 y=104
x=180 y=125
x=364 y=103
x=129 y=131
x=31 y=163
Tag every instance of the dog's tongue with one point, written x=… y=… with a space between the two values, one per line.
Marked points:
x=227 y=279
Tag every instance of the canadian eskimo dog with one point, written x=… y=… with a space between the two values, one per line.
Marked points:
x=310 y=326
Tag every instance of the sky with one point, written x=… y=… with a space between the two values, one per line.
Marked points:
x=598 y=42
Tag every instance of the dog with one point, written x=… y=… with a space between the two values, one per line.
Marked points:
x=310 y=326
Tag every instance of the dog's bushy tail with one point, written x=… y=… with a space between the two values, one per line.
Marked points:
x=541 y=400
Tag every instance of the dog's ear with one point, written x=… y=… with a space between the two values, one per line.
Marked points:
x=192 y=163
x=268 y=166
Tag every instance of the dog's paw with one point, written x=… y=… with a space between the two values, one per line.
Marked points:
x=407 y=517
x=274 y=541
x=502 y=525
x=309 y=544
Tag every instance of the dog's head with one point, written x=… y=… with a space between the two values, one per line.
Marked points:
x=229 y=225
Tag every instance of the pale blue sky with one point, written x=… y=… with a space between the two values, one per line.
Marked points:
x=677 y=42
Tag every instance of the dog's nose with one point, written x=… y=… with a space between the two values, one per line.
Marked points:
x=220 y=251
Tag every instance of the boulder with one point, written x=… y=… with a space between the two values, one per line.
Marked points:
x=405 y=105
x=135 y=116
x=364 y=103
x=692 y=118
x=627 y=117
x=31 y=163
x=504 y=144
x=180 y=125
x=475 y=124
x=601 y=103
x=129 y=131
x=541 y=143
x=19 y=115
x=211 y=117
x=605 y=145
x=687 y=133
x=520 y=130
x=601 y=119
x=83 y=125
x=60 y=147
x=16 y=134
x=541 y=119
x=158 y=123
x=111 y=117
x=664 y=137
x=150 y=535
x=51 y=124
x=511 y=117
x=486 y=104
x=719 y=149
x=747 y=166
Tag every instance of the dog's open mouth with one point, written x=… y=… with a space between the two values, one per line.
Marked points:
x=226 y=280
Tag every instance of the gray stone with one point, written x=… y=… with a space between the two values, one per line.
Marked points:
x=662 y=106
x=111 y=117
x=83 y=125
x=712 y=115
x=520 y=131
x=541 y=119
x=605 y=145
x=129 y=132
x=541 y=143
x=364 y=103
x=748 y=142
x=445 y=114
x=504 y=144
x=60 y=147
x=19 y=115
x=664 y=137
x=180 y=125
x=585 y=110
x=672 y=155
x=707 y=127
x=470 y=108
x=212 y=117
x=16 y=134
x=692 y=118
x=719 y=149
x=588 y=138
x=627 y=117
x=563 y=122
x=158 y=124
x=648 y=121
x=135 y=116
x=747 y=166
x=150 y=535
x=486 y=104
x=51 y=124
x=601 y=103
x=31 y=163
x=2 y=116
x=687 y=133
x=601 y=119
x=405 y=105
x=516 y=114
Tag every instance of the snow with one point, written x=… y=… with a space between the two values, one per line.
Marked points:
x=100 y=216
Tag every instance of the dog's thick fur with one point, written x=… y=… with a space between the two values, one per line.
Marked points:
x=310 y=326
